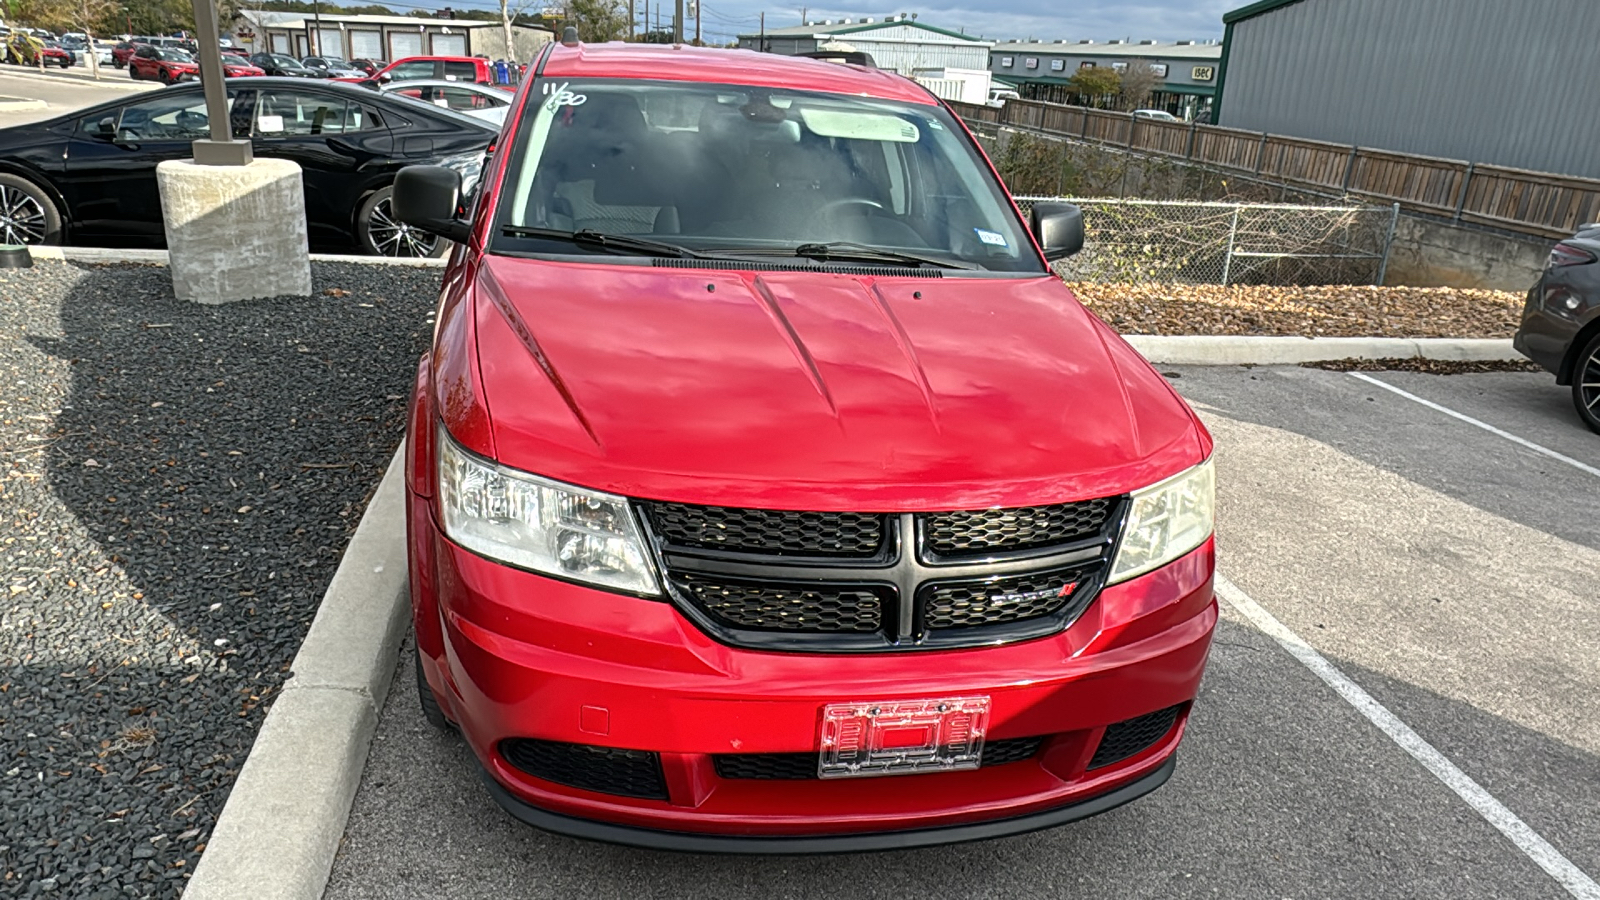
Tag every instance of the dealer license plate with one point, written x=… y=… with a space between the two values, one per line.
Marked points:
x=902 y=737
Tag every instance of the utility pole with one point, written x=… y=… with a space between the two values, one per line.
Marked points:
x=698 y=7
x=631 y=21
x=316 y=34
x=762 y=47
x=677 y=22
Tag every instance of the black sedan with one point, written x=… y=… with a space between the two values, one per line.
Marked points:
x=89 y=178
x=285 y=66
x=1561 y=322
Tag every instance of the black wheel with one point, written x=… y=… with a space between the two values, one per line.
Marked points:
x=381 y=234
x=430 y=705
x=132 y=72
x=164 y=77
x=1586 y=384
x=27 y=214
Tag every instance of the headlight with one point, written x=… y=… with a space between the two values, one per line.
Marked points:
x=1166 y=521
x=470 y=165
x=542 y=525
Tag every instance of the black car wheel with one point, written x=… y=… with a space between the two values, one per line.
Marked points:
x=27 y=214
x=65 y=63
x=383 y=235
x=133 y=72
x=1586 y=384
x=165 y=77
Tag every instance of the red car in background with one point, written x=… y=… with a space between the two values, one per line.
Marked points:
x=123 y=52
x=766 y=490
x=443 y=68
x=167 y=65
x=170 y=65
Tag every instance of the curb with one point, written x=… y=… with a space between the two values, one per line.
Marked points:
x=125 y=84
x=1204 y=350
x=20 y=104
x=107 y=255
x=277 y=835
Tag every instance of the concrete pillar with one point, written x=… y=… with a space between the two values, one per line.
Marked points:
x=235 y=232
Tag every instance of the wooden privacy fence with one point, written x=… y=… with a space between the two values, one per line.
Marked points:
x=1536 y=203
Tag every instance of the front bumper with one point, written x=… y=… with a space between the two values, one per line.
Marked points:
x=513 y=655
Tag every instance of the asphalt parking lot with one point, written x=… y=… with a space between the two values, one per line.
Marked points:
x=1436 y=734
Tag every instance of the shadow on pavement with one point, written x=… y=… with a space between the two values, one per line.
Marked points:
x=202 y=470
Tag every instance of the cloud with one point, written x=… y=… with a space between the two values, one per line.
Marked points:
x=1162 y=20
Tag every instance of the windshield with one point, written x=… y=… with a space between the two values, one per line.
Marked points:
x=173 y=55
x=745 y=170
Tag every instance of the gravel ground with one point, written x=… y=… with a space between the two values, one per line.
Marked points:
x=1331 y=311
x=1429 y=366
x=177 y=484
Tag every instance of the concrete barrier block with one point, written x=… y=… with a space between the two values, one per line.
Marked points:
x=235 y=232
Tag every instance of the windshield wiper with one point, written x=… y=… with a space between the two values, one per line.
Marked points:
x=620 y=243
x=841 y=251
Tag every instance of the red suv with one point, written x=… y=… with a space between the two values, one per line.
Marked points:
x=766 y=490
x=444 y=68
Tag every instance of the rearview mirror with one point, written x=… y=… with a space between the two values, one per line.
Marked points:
x=427 y=197
x=1058 y=227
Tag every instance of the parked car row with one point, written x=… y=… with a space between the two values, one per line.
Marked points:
x=170 y=65
x=89 y=177
x=24 y=49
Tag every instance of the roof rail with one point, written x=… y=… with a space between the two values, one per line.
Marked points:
x=848 y=57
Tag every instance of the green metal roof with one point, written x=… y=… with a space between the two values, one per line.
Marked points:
x=1255 y=9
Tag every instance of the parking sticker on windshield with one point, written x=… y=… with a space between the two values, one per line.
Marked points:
x=560 y=96
x=992 y=238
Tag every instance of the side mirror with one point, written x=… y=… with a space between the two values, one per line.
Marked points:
x=106 y=127
x=385 y=77
x=427 y=197
x=1059 y=229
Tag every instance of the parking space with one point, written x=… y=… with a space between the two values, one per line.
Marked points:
x=1444 y=569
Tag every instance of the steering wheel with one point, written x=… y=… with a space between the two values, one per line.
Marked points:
x=842 y=202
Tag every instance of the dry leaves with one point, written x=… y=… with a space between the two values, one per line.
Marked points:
x=1320 y=311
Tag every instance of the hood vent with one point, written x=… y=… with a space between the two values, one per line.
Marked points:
x=834 y=269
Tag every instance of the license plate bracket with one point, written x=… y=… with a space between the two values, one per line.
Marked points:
x=902 y=737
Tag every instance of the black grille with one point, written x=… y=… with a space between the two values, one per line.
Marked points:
x=999 y=753
x=606 y=770
x=1126 y=739
x=766 y=531
x=977 y=533
x=817 y=609
x=831 y=268
x=803 y=766
x=999 y=600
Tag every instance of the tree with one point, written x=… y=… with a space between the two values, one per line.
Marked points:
x=73 y=15
x=598 y=21
x=1095 y=83
x=1137 y=83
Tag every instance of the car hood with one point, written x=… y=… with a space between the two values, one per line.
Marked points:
x=817 y=390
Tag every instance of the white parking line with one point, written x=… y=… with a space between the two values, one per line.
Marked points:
x=1484 y=425
x=1493 y=811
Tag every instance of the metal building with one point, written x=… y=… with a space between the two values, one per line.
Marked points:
x=1501 y=82
x=1042 y=71
x=951 y=64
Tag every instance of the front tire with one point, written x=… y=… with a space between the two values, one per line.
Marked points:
x=1586 y=384
x=27 y=214
x=381 y=234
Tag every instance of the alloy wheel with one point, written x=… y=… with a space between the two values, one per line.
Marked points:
x=21 y=217
x=1588 y=382
x=393 y=238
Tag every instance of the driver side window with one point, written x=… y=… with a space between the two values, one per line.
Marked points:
x=164 y=118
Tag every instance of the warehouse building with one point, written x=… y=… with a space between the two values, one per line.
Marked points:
x=1501 y=82
x=380 y=37
x=953 y=65
x=1040 y=71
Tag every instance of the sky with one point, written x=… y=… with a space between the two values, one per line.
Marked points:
x=1162 y=20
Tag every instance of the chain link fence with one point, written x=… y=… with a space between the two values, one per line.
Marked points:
x=1228 y=243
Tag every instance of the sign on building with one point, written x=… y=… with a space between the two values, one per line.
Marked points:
x=1203 y=73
